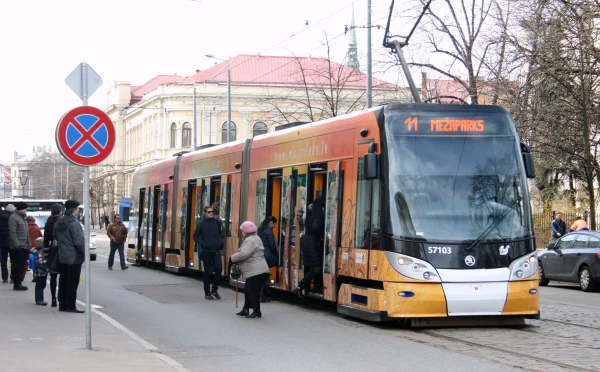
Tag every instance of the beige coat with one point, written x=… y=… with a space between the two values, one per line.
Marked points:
x=251 y=257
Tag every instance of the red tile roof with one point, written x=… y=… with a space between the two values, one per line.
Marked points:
x=445 y=89
x=139 y=91
x=285 y=71
x=269 y=71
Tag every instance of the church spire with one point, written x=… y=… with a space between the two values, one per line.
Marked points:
x=352 y=60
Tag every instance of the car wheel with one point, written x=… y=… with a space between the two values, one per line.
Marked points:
x=543 y=281
x=586 y=282
x=93 y=257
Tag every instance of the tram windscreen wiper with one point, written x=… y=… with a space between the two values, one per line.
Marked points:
x=487 y=231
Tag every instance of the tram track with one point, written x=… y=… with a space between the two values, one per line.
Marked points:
x=498 y=349
x=569 y=324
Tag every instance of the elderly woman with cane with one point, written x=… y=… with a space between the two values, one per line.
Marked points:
x=251 y=258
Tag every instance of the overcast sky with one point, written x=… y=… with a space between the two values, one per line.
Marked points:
x=134 y=40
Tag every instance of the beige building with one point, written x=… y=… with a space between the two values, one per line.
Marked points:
x=156 y=120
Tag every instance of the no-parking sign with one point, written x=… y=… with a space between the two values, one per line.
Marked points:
x=85 y=136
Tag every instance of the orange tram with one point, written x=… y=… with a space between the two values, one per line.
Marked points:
x=427 y=211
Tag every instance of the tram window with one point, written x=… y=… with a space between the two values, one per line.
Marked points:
x=363 y=208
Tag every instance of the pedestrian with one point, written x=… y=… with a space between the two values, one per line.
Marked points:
x=40 y=274
x=579 y=224
x=5 y=240
x=209 y=238
x=106 y=221
x=251 y=257
x=265 y=233
x=51 y=243
x=71 y=254
x=559 y=227
x=34 y=233
x=102 y=222
x=117 y=232
x=19 y=244
x=311 y=245
x=216 y=210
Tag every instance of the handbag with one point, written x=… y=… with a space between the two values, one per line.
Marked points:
x=235 y=271
x=54 y=264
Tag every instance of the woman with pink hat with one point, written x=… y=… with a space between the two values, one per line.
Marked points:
x=251 y=258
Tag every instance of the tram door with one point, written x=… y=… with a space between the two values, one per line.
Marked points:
x=152 y=224
x=333 y=222
x=269 y=204
x=141 y=221
x=317 y=188
x=189 y=218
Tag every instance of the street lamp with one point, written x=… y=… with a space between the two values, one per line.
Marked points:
x=194 y=81
x=228 y=95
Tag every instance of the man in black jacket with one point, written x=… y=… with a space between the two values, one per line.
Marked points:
x=4 y=240
x=311 y=244
x=209 y=238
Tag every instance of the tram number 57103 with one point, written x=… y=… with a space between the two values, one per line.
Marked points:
x=440 y=250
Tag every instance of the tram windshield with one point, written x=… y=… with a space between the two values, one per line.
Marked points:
x=460 y=182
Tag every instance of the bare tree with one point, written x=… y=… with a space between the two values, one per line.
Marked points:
x=558 y=109
x=324 y=89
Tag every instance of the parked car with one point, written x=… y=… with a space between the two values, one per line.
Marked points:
x=92 y=243
x=575 y=258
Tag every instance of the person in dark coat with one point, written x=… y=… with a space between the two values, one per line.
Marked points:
x=209 y=238
x=265 y=233
x=5 y=240
x=559 y=227
x=19 y=244
x=71 y=254
x=311 y=244
x=55 y=211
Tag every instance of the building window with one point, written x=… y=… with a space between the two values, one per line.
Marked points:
x=224 y=132
x=186 y=135
x=173 y=134
x=259 y=128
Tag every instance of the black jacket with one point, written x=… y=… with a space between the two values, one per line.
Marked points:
x=48 y=231
x=4 y=238
x=311 y=242
x=208 y=234
x=268 y=240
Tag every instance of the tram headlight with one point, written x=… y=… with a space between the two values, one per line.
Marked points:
x=401 y=261
x=532 y=259
x=519 y=273
x=526 y=266
x=415 y=267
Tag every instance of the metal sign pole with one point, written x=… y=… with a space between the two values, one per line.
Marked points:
x=86 y=222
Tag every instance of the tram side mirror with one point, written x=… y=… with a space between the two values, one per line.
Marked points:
x=527 y=161
x=370 y=166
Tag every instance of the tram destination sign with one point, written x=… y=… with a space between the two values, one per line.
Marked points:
x=440 y=123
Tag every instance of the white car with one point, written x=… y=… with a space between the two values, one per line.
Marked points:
x=92 y=243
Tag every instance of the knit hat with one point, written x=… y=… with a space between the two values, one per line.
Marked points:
x=39 y=242
x=71 y=204
x=248 y=227
x=20 y=205
x=10 y=208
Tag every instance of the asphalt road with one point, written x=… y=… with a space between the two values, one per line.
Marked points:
x=171 y=313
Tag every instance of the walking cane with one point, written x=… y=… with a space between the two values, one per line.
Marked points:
x=236 y=292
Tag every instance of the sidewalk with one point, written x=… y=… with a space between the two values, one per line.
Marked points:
x=40 y=338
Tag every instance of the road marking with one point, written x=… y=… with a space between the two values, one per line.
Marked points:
x=153 y=349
